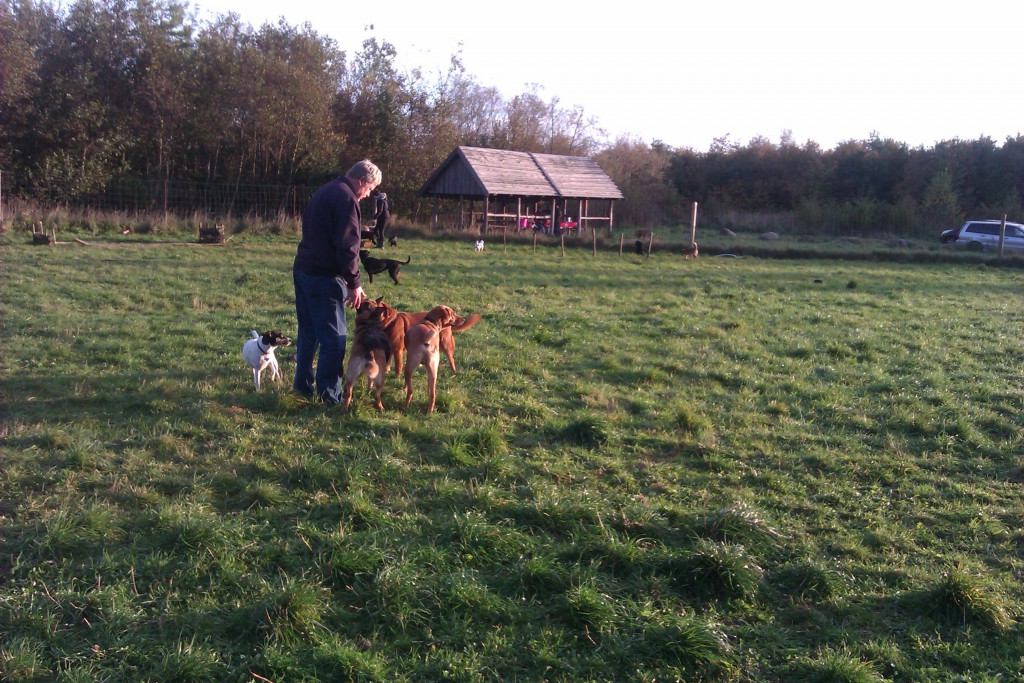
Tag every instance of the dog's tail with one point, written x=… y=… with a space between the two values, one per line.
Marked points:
x=465 y=323
x=254 y=334
x=406 y=261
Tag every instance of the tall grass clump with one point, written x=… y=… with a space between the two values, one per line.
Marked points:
x=832 y=665
x=697 y=649
x=739 y=523
x=587 y=431
x=716 y=571
x=292 y=613
x=962 y=597
x=805 y=580
x=585 y=606
x=691 y=422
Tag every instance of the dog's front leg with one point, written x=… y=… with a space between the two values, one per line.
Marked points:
x=447 y=344
x=398 y=351
x=346 y=399
x=256 y=378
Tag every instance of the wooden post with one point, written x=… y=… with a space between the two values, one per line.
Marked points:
x=504 y=229
x=594 y=234
x=621 y=235
x=519 y=212
x=40 y=236
x=534 y=241
x=693 y=225
x=611 y=215
x=650 y=245
x=562 y=236
x=1002 y=236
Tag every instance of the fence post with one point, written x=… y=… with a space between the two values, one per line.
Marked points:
x=1002 y=237
x=693 y=225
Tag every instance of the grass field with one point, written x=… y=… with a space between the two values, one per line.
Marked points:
x=755 y=470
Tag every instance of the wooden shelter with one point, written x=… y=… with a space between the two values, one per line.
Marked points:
x=521 y=190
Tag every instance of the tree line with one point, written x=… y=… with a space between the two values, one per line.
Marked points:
x=100 y=91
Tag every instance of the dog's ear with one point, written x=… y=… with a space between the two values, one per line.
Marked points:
x=445 y=315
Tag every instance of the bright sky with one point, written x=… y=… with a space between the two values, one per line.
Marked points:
x=686 y=73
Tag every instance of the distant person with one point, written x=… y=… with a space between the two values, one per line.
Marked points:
x=326 y=277
x=382 y=215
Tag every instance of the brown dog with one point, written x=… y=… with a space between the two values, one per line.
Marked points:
x=397 y=323
x=370 y=354
x=690 y=251
x=423 y=343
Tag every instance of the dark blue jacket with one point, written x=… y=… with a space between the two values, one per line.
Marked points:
x=331 y=233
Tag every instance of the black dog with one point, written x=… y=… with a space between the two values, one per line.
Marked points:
x=374 y=265
x=393 y=241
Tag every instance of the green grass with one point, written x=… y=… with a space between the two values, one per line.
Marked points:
x=752 y=470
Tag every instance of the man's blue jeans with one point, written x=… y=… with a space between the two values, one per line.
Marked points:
x=320 y=309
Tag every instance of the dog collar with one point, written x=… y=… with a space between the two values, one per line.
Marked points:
x=262 y=350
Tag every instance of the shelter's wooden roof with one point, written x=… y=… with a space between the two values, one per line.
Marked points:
x=480 y=172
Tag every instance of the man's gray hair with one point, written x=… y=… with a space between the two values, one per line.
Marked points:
x=365 y=170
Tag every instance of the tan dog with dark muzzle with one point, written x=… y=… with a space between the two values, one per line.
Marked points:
x=422 y=343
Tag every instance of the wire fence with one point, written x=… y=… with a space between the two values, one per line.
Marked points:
x=136 y=196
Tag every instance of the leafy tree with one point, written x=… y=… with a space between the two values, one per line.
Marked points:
x=17 y=68
x=524 y=123
x=80 y=104
x=164 y=79
x=639 y=170
x=940 y=205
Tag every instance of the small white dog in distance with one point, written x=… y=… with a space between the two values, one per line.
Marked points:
x=258 y=353
x=478 y=245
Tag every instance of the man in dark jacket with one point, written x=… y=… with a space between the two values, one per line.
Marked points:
x=382 y=214
x=326 y=277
